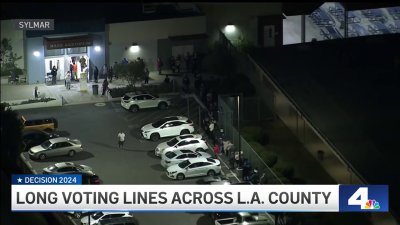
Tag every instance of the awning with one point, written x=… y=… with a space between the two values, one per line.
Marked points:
x=188 y=37
x=68 y=42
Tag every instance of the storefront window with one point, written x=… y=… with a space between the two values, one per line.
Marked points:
x=76 y=50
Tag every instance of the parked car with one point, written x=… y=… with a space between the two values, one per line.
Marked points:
x=172 y=142
x=119 y=221
x=194 y=167
x=174 y=157
x=78 y=215
x=197 y=145
x=99 y=216
x=210 y=179
x=133 y=102
x=31 y=137
x=243 y=218
x=56 y=147
x=88 y=175
x=167 y=127
x=46 y=124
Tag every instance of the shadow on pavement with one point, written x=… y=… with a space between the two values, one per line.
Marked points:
x=158 y=167
x=63 y=133
x=151 y=155
x=204 y=220
x=79 y=156
x=105 y=145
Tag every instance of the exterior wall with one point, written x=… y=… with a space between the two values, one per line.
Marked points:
x=97 y=58
x=242 y=15
x=17 y=39
x=147 y=34
x=35 y=64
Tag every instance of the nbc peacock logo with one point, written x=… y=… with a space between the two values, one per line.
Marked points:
x=372 y=204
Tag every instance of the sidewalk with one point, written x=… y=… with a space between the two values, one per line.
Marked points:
x=11 y=92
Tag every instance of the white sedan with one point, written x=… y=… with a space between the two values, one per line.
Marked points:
x=189 y=144
x=172 y=142
x=175 y=157
x=167 y=127
x=99 y=216
x=194 y=168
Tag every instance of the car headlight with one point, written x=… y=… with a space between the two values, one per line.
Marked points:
x=173 y=172
x=146 y=131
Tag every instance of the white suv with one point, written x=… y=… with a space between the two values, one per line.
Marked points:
x=189 y=143
x=194 y=168
x=133 y=102
x=172 y=142
x=167 y=127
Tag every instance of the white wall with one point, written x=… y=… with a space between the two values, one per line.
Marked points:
x=146 y=33
x=17 y=39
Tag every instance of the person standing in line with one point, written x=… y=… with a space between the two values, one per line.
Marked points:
x=216 y=150
x=146 y=75
x=121 y=139
x=104 y=71
x=211 y=130
x=36 y=92
x=111 y=73
x=75 y=71
x=105 y=86
x=160 y=64
x=96 y=74
x=68 y=80
x=54 y=74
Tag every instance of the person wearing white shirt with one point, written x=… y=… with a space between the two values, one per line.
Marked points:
x=121 y=139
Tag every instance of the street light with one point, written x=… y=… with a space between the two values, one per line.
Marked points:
x=238 y=118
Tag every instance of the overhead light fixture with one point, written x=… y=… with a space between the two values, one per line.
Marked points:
x=97 y=48
x=36 y=53
x=134 y=47
x=230 y=28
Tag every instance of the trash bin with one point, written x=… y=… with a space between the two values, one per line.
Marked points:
x=95 y=89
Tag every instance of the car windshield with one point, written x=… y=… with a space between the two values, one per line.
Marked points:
x=52 y=168
x=170 y=155
x=126 y=97
x=97 y=215
x=160 y=122
x=184 y=164
x=46 y=144
x=172 y=142
x=79 y=167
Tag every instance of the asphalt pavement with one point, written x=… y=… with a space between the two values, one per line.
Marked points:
x=97 y=126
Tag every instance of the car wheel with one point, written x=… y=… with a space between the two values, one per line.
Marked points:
x=162 y=105
x=200 y=150
x=155 y=137
x=77 y=215
x=180 y=176
x=185 y=131
x=42 y=156
x=211 y=173
x=134 y=108
x=71 y=153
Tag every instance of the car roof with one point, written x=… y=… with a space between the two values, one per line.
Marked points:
x=184 y=151
x=64 y=164
x=195 y=160
x=174 y=118
x=136 y=93
x=59 y=139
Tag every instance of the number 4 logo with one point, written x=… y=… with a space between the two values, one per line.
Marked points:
x=360 y=197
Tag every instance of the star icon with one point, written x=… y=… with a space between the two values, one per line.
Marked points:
x=19 y=180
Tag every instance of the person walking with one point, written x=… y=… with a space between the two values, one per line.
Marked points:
x=68 y=81
x=105 y=86
x=36 y=92
x=121 y=139
x=111 y=73
x=146 y=75
x=104 y=71
x=216 y=150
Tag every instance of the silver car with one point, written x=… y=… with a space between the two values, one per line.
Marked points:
x=56 y=147
x=175 y=157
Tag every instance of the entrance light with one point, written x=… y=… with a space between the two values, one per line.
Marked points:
x=230 y=28
x=97 y=48
x=36 y=53
x=134 y=47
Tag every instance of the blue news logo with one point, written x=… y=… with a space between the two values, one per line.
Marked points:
x=361 y=198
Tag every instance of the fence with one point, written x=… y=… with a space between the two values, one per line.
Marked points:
x=226 y=122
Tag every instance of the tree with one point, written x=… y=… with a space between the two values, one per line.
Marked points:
x=132 y=71
x=11 y=138
x=9 y=59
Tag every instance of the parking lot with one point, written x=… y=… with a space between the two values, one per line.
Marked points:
x=97 y=126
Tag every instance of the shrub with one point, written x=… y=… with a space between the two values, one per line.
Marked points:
x=119 y=92
x=270 y=158
x=285 y=169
